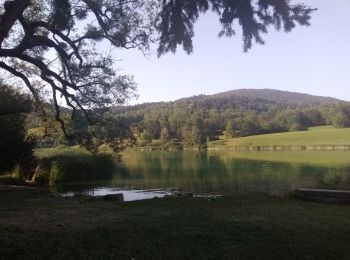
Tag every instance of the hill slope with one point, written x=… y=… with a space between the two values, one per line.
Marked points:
x=325 y=135
x=267 y=96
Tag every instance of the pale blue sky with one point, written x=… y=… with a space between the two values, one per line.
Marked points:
x=314 y=60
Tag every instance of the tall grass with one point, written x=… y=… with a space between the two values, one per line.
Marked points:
x=14 y=177
x=63 y=165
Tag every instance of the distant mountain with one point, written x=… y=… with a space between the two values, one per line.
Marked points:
x=284 y=99
x=260 y=100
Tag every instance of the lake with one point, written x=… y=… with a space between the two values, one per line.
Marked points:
x=146 y=174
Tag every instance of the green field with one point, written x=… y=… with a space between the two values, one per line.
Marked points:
x=323 y=135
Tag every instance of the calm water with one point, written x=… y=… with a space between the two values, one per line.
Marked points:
x=145 y=174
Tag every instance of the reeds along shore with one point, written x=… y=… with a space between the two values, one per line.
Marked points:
x=72 y=168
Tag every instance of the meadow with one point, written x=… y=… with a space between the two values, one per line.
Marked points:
x=323 y=135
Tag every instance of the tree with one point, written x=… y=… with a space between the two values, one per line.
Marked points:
x=229 y=130
x=314 y=117
x=60 y=45
x=164 y=135
x=15 y=149
x=340 y=119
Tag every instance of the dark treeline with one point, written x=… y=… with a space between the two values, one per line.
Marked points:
x=15 y=147
x=192 y=122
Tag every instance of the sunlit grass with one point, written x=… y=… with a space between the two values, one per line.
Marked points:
x=324 y=135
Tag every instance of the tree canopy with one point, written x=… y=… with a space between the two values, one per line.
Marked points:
x=63 y=47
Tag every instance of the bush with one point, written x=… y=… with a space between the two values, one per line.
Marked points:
x=297 y=127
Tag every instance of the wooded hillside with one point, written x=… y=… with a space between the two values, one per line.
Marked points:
x=196 y=120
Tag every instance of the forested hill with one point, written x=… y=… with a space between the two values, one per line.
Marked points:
x=195 y=120
x=284 y=97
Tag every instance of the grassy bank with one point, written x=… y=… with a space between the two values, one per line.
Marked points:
x=35 y=225
x=324 y=135
x=63 y=165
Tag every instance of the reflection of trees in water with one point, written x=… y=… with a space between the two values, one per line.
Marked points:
x=222 y=173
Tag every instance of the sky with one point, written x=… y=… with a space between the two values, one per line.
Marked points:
x=313 y=60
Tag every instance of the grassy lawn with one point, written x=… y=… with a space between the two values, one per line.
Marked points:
x=35 y=225
x=314 y=136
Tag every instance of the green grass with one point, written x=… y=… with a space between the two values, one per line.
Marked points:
x=314 y=136
x=66 y=164
x=34 y=225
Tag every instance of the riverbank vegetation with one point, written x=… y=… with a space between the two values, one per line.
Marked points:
x=19 y=164
x=61 y=165
x=35 y=224
x=67 y=165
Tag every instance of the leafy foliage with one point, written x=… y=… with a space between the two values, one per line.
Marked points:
x=63 y=47
x=176 y=19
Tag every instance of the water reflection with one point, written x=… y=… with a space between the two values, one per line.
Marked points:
x=224 y=172
x=129 y=194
